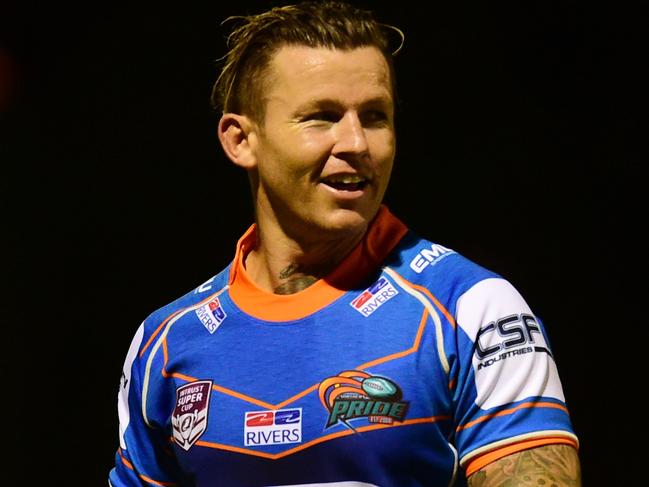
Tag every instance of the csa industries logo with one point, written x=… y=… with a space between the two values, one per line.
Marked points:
x=507 y=337
x=355 y=394
x=374 y=296
x=211 y=315
x=273 y=427
x=189 y=419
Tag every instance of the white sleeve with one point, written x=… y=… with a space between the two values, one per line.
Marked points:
x=511 y=359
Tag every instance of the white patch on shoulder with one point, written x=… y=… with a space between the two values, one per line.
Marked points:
x=512 y=360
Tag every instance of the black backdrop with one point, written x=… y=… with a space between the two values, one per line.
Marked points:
x=518 y=132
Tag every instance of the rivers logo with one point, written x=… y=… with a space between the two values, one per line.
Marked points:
x=211 y=315
x=189 y=419
x=354 y=394
x=374 y=296
x=273 y=427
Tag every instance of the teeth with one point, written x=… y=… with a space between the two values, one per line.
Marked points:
x=345 y=179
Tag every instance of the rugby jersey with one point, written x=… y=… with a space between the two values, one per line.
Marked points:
x=407 y=362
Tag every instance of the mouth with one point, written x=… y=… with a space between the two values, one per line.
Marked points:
x=345 y=182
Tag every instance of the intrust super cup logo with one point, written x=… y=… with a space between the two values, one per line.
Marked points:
x=189 y=419
x=355 y=394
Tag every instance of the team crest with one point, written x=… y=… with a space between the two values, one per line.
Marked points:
x=189 y=419
x=355 y=394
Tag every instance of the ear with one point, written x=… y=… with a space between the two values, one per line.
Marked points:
x=238 y=138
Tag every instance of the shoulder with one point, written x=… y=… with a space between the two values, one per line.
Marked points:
x=422 y=259
x=196 y=297
x=468 y=292
x=438 y=268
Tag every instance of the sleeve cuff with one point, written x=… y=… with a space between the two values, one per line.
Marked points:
x=485 y=459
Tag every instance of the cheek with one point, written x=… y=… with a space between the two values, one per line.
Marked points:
x=287 y=166
x=383 y=149
x=296 y=143
x=306 y=154
x=313 y=144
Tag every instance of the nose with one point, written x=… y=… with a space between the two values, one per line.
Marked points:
x=350 y=136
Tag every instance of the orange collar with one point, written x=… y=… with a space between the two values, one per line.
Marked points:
x=382 y=236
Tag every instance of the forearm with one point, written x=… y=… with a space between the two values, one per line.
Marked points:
x=549 y=465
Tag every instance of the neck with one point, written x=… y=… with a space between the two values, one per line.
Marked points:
x=283 y=265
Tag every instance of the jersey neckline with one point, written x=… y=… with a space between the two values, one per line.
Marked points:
x=383 y=235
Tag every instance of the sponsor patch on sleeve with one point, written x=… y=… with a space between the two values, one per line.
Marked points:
x=429 y=257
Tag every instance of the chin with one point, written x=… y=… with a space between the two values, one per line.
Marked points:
x=347 y=221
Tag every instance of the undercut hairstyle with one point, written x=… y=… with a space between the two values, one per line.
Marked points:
x=254 y=41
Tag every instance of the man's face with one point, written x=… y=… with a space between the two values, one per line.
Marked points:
x=326 y=146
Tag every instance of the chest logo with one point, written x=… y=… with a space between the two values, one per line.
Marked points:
x=374 y=297
x=354 y=394
x=273 y=427
x=189 y=419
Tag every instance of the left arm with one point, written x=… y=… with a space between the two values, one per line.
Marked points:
x=549 y=466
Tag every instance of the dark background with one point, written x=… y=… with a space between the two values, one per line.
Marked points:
x=519 y=130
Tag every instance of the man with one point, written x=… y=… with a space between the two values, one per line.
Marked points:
x=338 y=348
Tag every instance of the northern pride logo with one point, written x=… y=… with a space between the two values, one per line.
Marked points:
x=355 y=394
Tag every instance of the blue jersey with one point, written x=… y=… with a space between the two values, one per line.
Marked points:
x=404 y=364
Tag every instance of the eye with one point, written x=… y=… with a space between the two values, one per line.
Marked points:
x=374 y=118
x=323 y=116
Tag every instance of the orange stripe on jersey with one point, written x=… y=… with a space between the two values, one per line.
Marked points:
x=430 y=295
x=143 y=477
x=414 y=348
x=296 y=397
x=484 y=460
x=165 y=353
x=333 y=380
x=124 y=460
x=238 y=395
x=439 y=305
x=243 y=397
x=175 y=313
x=505 y=412
x=383 y=235
x=155 y=482
x=337 y=379
x=322 y=439
x=155 y=333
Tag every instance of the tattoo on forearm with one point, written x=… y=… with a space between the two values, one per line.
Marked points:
x=546 y=466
